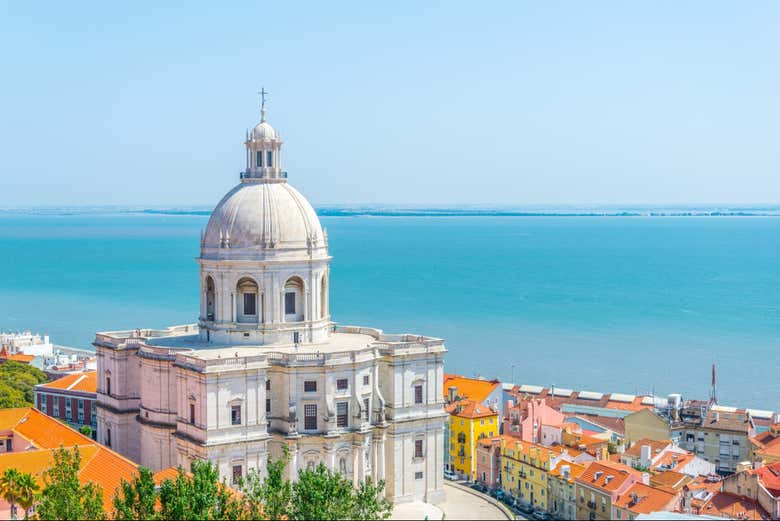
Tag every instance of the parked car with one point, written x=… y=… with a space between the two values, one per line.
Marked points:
x=448 y=474
x=541 y=515
x=524 y=507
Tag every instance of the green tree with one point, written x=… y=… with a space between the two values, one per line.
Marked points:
x=321 y=494
x=16 y=383
x=270 y=497
x=370 y=501
x=199 y=495
x=28 y=490
x=136 y=499
x=9 y=488
x=86 y=430
x=63 y=496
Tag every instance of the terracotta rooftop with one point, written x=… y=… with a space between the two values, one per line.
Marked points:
x=635 y=451
x=625 y=402
x=471 y=388
x=44 y=434
x=732 y=421
x=597 y=475
x=644 y=499
x=670 y=480
x=576 y=470
x=470 y=409
x=726 y=504
x=770 y=477
x=84 y=382
x=768 y=442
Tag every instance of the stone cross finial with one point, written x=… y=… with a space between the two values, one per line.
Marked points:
x=262 y=94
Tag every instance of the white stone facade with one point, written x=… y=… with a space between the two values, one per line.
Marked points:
x=265 y=368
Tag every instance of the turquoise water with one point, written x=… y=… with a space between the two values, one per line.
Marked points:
x=614 y=303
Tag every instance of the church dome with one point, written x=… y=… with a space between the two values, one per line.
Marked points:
x=265 y=218
x=264 y=131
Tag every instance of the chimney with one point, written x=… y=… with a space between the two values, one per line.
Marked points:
x=451 y=394
x=776 y=417
x=645 y=478
x=646 y=455
x=565 y=471
x=598 y=475
x=608 y=479
x=716 y=417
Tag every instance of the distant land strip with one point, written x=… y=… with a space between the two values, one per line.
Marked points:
x=333 y=211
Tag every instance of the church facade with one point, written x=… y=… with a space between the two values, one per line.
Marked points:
x=265 y=372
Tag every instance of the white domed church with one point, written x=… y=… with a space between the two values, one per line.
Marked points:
x=265 y=367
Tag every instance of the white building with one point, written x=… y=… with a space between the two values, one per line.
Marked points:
x=265 y=368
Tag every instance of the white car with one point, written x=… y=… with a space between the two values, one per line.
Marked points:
x=448 y=474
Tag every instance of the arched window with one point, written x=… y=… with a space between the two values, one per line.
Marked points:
x=293 y=300
x=343 y=466
x=324 y=296
x=210 y=295
x=247 y=301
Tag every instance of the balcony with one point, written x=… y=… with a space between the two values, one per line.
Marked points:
x=591 y=505
x=276 y=174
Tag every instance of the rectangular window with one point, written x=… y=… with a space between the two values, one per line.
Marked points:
x=192 y=413
x=56 y=406
x=81 y=405
x=249 y=303
x=310 y=386
x=235 y=415
x=367 y=380
x=366 y=409
x=268 y=385
x=289 y=303
x=259 y=158
x=418 y=475
x=418 y=394
x=418 y=448
x=108 y=437
x=342 y=414
x=237 y=474
x=269 y=158
x=310 y=417
x=108 y=385
x=267 y=406
x=342 y=384
x=9 y=445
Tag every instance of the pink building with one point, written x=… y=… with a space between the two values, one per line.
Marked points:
x=489 y=462
x=525 y=419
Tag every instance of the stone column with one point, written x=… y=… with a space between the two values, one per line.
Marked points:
x=233 y=310
x=259 y=306
x=356 y=462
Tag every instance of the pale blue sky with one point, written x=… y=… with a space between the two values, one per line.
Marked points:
x=417 y=102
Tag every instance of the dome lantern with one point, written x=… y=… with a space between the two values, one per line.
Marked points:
x=263 y=151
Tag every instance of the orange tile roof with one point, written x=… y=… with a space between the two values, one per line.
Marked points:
x=47 y=433
x=20 y=357
x=655 y=447
x=576 y=470
x=672 y=461
x=768 y=442
x=644 y=499
x=470 y=409
x=85 y=382
x=471 y=388
x=169 y=473
x=619 y=472
x=770 y=477
x=670 y=480
x=726 y=504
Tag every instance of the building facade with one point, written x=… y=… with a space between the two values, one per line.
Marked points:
x=70 y=399
x=469 y=423
x=265 y=372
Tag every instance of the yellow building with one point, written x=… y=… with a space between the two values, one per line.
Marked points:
x=525 y=467
x=469 y=422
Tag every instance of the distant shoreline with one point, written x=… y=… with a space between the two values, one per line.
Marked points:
x=389 y=211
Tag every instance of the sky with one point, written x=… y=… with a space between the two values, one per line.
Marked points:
x=441 y=103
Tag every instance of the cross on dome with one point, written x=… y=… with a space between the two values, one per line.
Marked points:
x=262 y=94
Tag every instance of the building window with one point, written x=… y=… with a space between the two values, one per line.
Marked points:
x=367 y=380
x=289 y=303
x=108 y=385
x=418 y=475
x=108 y=437
x=418 y=448
x=192 y=413
x=68 y=413
x=342 y=384
x=310 y=417
x=56 y=406
x=235 y=415
x=237 y=474
x=269 y=158
x=268 y=385
x=342 y=414
x=366 y=409
x=43 y=402
x=310 y=386
x=250 y=301
x=259 y=158
x=268 y=406
x=418 y=394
